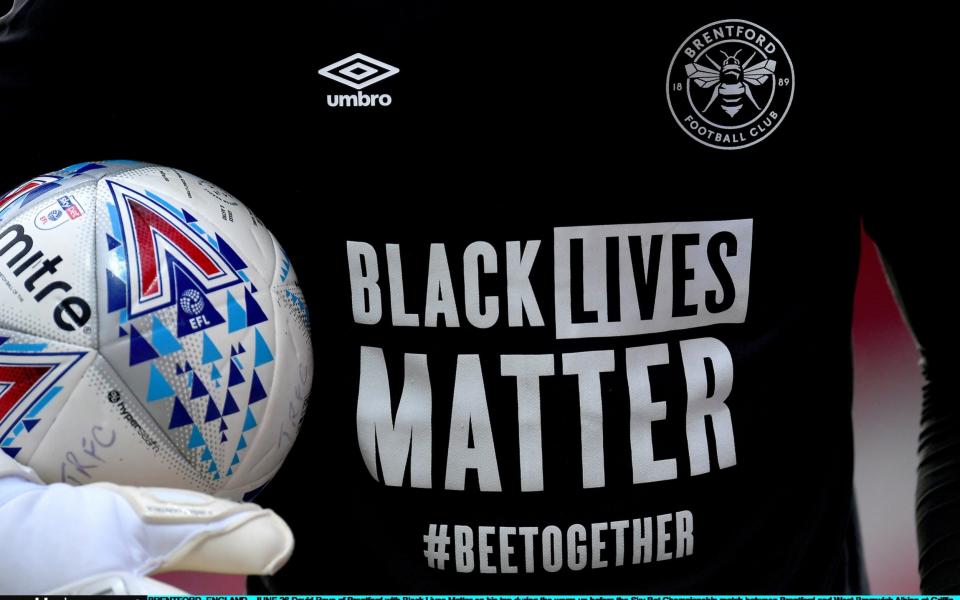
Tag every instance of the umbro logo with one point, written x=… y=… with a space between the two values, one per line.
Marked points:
x=358 y=71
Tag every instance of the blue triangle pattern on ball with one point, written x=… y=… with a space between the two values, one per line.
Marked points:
x=257 y=392
x=11 y=452
x=250 y=422
x=112 y=242
x=116 y=293
x=235 y=376
x=164 y=341
x=255 y=314
x=157 y=387
x=213 y=467
x=180 y=416
x=207 y=455
x=196 y=438
x=236 y=460
x=213 y=413
x=242 y=444
x=30 y=423
x=210 y=352
x=123 y=332
x=236 y=317
x=261 y=351
x=230 y=254
x=140 y=348
x=223 y=424
x=230 y=405
x=197 y=388
x=223 y=437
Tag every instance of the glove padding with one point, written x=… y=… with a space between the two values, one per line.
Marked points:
x=63 y=539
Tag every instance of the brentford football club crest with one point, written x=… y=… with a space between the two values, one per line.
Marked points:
x=730 y=84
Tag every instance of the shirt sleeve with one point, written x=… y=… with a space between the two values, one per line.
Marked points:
x=920 y=271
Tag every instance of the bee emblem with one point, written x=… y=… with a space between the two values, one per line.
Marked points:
x=731 y=80
x=730 y=84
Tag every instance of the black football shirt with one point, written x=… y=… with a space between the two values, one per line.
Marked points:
x=580 y=276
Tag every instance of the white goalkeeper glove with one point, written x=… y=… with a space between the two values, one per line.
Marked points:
x=106 y=539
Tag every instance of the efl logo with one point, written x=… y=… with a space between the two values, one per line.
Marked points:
x=61 y=211
x=358 y=71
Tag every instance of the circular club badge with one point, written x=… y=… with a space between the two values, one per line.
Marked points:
x=730 y=84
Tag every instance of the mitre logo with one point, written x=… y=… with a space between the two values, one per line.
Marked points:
x=730 y=84
x=21 y=260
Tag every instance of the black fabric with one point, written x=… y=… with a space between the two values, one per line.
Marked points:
x=779 y=520
x=508 y=125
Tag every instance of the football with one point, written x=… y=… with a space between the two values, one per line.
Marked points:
x=152 y=332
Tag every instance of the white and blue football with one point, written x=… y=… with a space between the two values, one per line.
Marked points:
x=152 y=332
